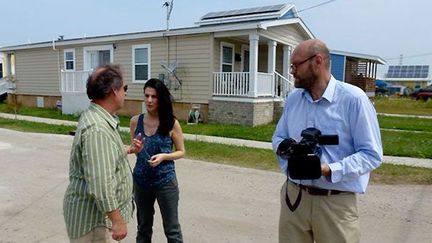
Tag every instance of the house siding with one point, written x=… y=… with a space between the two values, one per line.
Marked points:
x=193 y=64
x=38 y=74
x=287 y=34
x=36 y=71
x=337 y=66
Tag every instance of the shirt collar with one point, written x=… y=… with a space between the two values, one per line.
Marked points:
x=328 y=93
x=330 y=90
x=112 y=120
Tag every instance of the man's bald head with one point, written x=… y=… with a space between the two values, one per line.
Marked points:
x=103 y=80
x=312 y=47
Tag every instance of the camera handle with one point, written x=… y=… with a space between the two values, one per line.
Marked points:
x=291 y=206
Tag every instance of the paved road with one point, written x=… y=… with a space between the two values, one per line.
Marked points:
x=218 y=203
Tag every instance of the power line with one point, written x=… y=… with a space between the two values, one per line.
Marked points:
x=411 y=56
x=320 y=4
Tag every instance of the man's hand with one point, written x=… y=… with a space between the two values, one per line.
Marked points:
x=119 y=230
x=285 y=149
x=325 y=170
x=119 y=226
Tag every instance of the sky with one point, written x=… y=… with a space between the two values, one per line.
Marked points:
x=384 y=28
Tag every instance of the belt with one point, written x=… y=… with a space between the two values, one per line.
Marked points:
x=315 y=191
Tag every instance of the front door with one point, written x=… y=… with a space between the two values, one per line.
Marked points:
x=245 y=58
x=97 y=56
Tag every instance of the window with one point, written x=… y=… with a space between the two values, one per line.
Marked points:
x=97 y=56
x=227 y=57
x=69 y=60
x=141 y=62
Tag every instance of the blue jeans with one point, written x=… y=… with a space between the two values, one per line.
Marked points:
x=167 y=197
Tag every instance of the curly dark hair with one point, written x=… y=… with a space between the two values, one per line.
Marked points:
x=165 y=107
x=102 y=80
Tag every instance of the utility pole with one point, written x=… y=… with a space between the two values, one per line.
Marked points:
x=169 y=6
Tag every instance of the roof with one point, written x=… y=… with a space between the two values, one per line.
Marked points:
x=231 y=20
x=360 y=56
x=161 y=33
x=273 y=12
x=408 y=71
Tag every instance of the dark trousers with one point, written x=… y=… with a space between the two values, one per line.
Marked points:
x=167 y=197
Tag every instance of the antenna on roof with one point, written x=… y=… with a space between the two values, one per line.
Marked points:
x=169 y=6
x=171 y=68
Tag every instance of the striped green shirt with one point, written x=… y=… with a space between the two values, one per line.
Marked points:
x=99 y=174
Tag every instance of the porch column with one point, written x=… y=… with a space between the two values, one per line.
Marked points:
x=286 y=60
x=271 y=66
x=253 y=64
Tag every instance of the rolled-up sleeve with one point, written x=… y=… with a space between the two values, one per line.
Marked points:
x=367 y=145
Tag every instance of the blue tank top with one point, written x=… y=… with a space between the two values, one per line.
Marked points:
x=145 y=175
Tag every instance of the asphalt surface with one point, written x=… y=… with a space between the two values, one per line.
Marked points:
x=218 y=203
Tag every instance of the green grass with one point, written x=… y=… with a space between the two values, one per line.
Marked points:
x=258 y=133
x=395 y=143
x=242 y=156
x=407 y=144
x=401 y=174
x=239 y=156
x=405 y=123
x=26 y=126
x=403 y=106
x=52 y=113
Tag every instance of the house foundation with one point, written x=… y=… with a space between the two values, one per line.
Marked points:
x=248 y=113
x=42 y=101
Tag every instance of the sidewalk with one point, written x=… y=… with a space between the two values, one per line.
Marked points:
x=229 y=141
x=404 y=115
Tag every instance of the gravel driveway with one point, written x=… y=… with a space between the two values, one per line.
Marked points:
x=218 y=203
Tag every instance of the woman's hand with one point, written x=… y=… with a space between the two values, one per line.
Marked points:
x=136 y=146
x=156 y=159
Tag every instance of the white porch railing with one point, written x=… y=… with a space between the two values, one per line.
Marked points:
x=283 y=86
x=73 y=81
x=231 y=83
x=237 y=84
x=265 y=84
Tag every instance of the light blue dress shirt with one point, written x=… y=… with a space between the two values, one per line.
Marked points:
x=344 y=110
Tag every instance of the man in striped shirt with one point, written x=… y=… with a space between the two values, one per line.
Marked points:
x=98 y=200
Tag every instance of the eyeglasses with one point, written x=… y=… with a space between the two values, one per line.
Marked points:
x=293 y=67
x=125 y=88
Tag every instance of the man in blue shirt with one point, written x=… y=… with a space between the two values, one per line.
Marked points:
x=327 y=211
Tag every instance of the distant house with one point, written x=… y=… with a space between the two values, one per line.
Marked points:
x=1 y=65
x=357 y=69
x=412 y=76
x=233 y=65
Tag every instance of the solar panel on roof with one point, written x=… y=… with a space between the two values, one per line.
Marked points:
x=408 y=71
x=245 y=11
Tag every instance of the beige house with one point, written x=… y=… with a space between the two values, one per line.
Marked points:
x=233 y=66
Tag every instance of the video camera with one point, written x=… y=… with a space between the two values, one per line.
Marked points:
x=304 y=157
